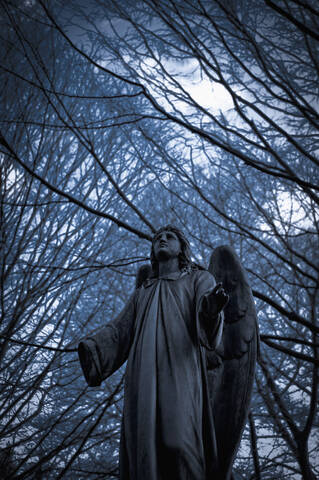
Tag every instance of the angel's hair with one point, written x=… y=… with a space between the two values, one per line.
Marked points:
x=184 y=258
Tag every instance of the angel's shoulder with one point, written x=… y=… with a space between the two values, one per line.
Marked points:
x=202 y=277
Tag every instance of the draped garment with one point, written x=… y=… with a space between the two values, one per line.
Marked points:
x=167 y=428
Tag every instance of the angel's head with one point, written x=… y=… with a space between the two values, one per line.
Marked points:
x=178 y=245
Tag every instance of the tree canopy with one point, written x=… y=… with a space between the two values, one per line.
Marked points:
x=120 y=117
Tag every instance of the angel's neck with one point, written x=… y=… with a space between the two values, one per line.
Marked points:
x=166 y=267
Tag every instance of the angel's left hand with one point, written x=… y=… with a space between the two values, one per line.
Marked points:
x=215 y=301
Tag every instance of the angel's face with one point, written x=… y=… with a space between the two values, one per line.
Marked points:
x=166 y=245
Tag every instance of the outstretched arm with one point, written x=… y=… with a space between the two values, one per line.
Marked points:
x=103 y=353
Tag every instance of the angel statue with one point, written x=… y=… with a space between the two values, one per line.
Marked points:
x=190 y=345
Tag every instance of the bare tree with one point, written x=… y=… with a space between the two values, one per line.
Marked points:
x=123 y=116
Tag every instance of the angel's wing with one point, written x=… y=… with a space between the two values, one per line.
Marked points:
x=143 y=273
x=231 y=368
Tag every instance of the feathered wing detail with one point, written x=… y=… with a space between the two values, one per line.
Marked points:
x=230 y=369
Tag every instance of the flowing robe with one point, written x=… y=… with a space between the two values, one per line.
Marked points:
x=167 y=428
